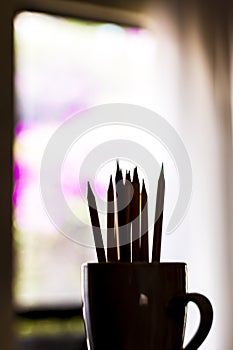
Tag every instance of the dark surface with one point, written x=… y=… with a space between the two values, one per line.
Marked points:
x=68 y=342
x=50 y=342
x=45 y=313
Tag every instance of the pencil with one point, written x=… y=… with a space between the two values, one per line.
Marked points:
x=120 y=211
x=127 y=221
x=158 y=218
x=96 y=225
x=116 y=230
x=144 y=254
x=135 y=217
x=111 y=239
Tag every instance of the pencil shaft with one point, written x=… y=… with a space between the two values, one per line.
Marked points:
x=156 y=252
x=117 y=235
x=119 y=214
x=121 y=219
x=111 y=244
x=111 y=239
x=144 y=253
x=97 y=235
x=135 y=223
x=96 y=226
x=125 y=229
x=157 y=239
x=115 y=251
x=128 y=194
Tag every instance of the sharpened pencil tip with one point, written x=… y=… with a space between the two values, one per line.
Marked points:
x=119 y=175
x=89 y=190
x=161 y=176
x=135 y=175
x=143 y=185
x=110 y=183
x=127 y=177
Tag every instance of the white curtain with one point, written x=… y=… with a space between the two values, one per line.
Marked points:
x=194 y=95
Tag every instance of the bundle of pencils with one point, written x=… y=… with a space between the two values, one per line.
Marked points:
x=127 y=220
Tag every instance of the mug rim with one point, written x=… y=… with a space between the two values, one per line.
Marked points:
x=136 y=263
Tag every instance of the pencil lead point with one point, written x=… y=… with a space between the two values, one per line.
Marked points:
x=161 y=176
x=110 y=182
x=119 y=175
x=89 y=189
x=144 y=187
x=127 y=177
x=90 y=192
x=135 y=175
x=118 y=166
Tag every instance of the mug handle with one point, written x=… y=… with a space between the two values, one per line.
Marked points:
x=206 y=316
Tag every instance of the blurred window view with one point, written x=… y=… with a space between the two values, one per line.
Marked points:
x=64 y=66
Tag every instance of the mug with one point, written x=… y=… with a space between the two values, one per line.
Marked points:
x=140 y=306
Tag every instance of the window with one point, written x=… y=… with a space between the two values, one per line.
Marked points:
x=64 y=66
